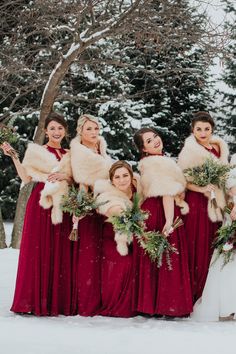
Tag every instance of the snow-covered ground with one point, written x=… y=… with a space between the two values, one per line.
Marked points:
x=58 y=335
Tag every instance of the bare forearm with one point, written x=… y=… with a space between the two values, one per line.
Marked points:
x=21 y=171
x=168 y=204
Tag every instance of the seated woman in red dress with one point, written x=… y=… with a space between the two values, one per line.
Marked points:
x=160 y=291
x=89 y=162
x=117 y=255
x=202 y=221
x=44 y=277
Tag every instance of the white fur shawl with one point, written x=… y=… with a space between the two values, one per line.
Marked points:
x=87 y=166
x=111 y=196
x=39 y=163
x=193 y=154
x=160 y=175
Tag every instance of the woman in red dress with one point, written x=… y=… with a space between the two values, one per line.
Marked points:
x=117 y=257
x=44 y=277
x=160 y=291
x=89 y=162
x=202 y=222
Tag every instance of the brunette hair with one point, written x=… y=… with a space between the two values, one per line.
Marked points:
x=138 y=138
x=120 y=164
x=53 y=116
x=202 y=116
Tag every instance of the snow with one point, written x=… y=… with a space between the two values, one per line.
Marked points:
x=77 y=335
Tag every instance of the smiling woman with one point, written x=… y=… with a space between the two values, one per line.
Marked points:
x=44 y=278
x=201 y=223
x=159 y=291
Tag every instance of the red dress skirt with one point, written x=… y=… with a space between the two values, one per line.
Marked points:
x=159 y=290
x=44 y=284
x=201 y=232
x=89 y=264
x=117 y=277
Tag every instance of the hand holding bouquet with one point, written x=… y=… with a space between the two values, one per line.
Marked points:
x=7 y=137
x=210 y=173
x=78 y=203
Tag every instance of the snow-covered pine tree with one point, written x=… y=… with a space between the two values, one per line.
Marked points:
x=228 y=106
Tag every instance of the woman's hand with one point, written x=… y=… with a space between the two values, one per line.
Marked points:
x=208 y=189
x=7 y=149
x=167 y=229
x=57 y=176
x=115 y=210
x=233 y=213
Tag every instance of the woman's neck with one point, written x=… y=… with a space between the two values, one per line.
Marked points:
x=54 y=145
x=92 y=146
x=129 y=192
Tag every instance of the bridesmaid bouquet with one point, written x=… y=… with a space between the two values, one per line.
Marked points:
x=156 y=245
x=8 y=135
x=225 y=242
x=211 y=172
x=129 y=223
x=78 y=203
x=132 y=223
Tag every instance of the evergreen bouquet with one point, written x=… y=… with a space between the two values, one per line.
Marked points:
x=210 y=172
x=156 y=245
x=225 y=241
x=132 y=223
x=8 y=135
x=78 y=203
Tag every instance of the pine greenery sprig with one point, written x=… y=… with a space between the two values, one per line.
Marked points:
x=8 y=134
x=156 y=245
x=225 y=241
x=211 y=172
x=79 y=202
x=131 y=221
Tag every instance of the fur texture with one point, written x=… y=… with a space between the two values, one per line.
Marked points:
x=231 y=181
x=39 y=163
x=87 y=166
x=106 y=192
x=192 y=155
x=161 y=176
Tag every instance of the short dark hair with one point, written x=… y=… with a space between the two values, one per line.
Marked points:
x=138 y=138
x=53 y=116
x=202 y=116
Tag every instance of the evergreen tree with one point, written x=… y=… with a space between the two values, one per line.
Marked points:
x=228 y=107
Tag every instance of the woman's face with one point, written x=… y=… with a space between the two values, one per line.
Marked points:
x=55 y=132
x=90 y=132
x=122 y=179
x=152 y=143
x=202 y=132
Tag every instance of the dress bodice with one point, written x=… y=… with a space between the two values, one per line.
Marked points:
x=56 y=151
x=213 y=151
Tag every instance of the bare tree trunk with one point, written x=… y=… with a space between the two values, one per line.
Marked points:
x=20 y=214
x=2 y=233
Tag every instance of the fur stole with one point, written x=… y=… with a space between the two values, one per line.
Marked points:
x=160 y=175
x=192 y=155
x=87 y=166
x=111 y=196
x=39 y=163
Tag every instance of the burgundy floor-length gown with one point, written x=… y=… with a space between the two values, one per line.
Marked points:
x=89 y=264
x=116 y=277
x=160 y=291
x=44 y=284
x=201 y=232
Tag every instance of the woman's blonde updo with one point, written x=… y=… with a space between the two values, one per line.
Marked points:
x=83 y=119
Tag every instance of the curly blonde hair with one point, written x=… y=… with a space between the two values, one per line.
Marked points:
x=83 y=119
